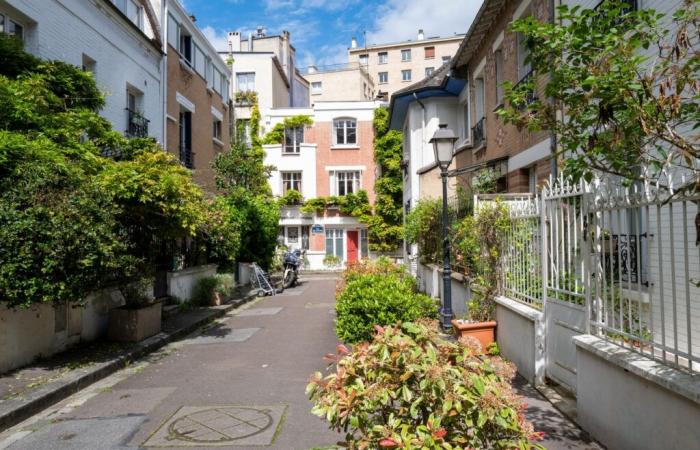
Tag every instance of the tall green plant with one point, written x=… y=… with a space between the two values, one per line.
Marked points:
x=424 y=227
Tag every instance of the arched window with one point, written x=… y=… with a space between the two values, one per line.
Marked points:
x=344 y=131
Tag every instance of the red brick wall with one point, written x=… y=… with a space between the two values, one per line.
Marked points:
x=321 y=133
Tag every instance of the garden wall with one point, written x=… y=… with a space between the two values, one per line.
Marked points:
x=181 y=282
x=430 y=282
x=46 y=329
x=520 y=336
x=627 y=401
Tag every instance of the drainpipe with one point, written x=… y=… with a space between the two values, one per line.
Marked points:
x=164 y=69
x=553 y=137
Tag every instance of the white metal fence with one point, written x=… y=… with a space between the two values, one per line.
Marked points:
x=628 y=257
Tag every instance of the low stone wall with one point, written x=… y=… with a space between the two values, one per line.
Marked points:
x=628 y=401
x=520 y=336
x=46 y=329
x=181 y=283
x=430 y=282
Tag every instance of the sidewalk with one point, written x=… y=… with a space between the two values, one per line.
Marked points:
x=25 y=391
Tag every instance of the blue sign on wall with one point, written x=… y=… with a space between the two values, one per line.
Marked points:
x=316 y=229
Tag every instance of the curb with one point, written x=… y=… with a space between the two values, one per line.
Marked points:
x=17 y=410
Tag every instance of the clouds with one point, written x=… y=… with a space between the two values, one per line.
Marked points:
x=399 y=20
x=219 y=39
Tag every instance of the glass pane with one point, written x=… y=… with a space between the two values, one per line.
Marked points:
x=329 y=242
x=339 y=243
x=2 y=23
x=299 y=135
x=293 y=235
x=351 y=135
x=339 y=132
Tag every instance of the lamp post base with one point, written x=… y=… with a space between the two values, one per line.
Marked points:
x=446 y=320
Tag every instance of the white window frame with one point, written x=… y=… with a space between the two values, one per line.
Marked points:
x=403 y=75
x=316 y=87
x=349 y=178
x=292 y=178
x=295 y=147
x=429 y=71
x=386 y=77
x=335 y=235
x=288 y=237
x=383 y=57
x=217 y=128
x=248 y=85
x=404 y=52
x=364 y=59
x=347 y=123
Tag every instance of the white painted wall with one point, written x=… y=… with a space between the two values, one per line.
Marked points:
x=181 y=283
x=67 y=29
x=304 y=162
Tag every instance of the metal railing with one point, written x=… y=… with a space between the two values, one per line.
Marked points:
x=479 y=132
x=531 y=95
x=626 y=257
x=137 y=125
x=186 y=157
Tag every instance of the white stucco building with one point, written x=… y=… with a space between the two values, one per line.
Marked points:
x=117 y=40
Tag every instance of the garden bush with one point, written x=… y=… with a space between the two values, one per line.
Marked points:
x=424 y=227
x=203 y=291
x=380 y=298
x=410 y=389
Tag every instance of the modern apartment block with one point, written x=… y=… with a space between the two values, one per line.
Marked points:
x=333 y=157
x=340 y=82
x=198 y=82
x=266 y=65
x=397 y=65
x=117 y=40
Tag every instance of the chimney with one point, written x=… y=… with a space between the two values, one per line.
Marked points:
x=234 y=41
x=193 y=18
x=421 y=36
x=260 y=31
x=353 y=43
x=250 y=42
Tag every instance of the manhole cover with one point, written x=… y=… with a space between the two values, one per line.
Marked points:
x=220 y=424
x=208 y=426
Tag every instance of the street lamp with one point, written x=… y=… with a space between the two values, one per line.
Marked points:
x=443 y=144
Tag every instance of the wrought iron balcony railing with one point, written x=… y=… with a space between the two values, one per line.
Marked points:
x=479 y=132
x=531 y=95
x=137 y=125
x=186 y=157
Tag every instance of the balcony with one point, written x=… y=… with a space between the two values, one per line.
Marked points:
x=479 y=133
x=136 y=124
x=531 y=96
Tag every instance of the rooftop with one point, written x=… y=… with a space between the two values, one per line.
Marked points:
x=407 y=42
x=332 y=68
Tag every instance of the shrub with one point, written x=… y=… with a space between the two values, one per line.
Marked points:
x=424 y=227
x=203 y=291
x=291 y=197
x=224 y=285
x=137 y=294
x=381 y=265
x=410 y=389
x=331 y=261
x=378 y=299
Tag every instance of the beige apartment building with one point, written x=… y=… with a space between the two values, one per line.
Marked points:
x=340 y=82
x=398 y=65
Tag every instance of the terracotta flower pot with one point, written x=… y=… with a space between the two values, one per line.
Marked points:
x=483 y=331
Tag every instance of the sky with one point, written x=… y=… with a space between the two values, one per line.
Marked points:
x=321 y=30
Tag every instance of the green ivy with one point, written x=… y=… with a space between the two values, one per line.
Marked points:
x=291 y=197
x=276 y=135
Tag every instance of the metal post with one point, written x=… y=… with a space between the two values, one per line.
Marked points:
x=446 y=313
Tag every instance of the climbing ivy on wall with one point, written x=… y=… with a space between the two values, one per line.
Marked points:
x=385 y=226
x=276 y=135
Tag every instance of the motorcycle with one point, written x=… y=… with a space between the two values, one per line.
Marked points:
x=293 y=261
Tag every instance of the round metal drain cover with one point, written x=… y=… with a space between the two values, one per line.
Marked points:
x=221 y=424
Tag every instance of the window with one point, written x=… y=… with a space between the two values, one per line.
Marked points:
x=131 y=101
x=244 y=131
x=305 y=237
x=217 y=129
x=293 y=137
x=523 y=53
x=132 y=10
x=364 y=59
x=465 y=119
x=364 y=248
x=429 y=71
x=2 y=23
x=89 y=64
x=316 y=87
x=429 y=52
x=532 y=179
x=185 y=46
x=245 y=81
x=137 y=124
x=173 y=32
x=292 y=235
x=479 y=94
x=347 y=182
x=334 y=242
x=498 y=60
x=344 y=132
x=405 y=75
x=200 y=61
x=383 y=57
x=291 y=180
x=446 y=59
x=10 y=27
x=406 y=55
x=186 y=156
x=383 y=77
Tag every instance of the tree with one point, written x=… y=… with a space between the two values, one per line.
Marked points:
x=627 y=86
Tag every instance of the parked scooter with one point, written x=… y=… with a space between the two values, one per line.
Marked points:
x=293 y=261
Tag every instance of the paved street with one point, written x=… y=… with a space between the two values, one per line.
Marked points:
x=239 y=384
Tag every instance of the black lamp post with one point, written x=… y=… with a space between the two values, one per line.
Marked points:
x=443 y=144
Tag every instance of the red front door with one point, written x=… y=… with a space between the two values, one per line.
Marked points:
x=352 y=246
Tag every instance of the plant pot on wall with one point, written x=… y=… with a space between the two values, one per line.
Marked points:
x=129 y=324
x=484 y=332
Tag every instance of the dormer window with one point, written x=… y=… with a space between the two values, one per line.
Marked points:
x=132 y=10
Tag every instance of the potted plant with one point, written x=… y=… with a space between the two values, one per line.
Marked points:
x=140 y=317
x=479 y=324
